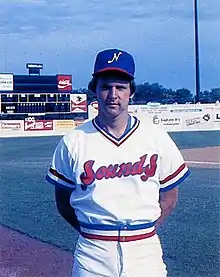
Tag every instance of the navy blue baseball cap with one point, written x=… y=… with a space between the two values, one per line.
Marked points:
x=114 y=60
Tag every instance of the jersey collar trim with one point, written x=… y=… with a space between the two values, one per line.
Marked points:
x=111 y=138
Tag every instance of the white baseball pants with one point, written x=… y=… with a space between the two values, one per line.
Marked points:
x=97 y=258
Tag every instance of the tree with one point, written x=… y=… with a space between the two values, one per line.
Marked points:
x=155 y=92
x=210 y=96
x=148 y=93
x=183 y=95
x=215 y=94
x=90 y=95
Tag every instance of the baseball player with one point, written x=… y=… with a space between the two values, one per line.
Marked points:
x=116 y=179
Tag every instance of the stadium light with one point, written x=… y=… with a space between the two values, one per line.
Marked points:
x=196 y=33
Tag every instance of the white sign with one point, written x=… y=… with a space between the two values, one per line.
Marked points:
x=78 y=103
x=34 y=65
x=6 y=82
x=175 y=117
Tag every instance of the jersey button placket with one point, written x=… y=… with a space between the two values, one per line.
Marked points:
x=124 y=237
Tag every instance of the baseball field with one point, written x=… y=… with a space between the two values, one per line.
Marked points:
x=35 y=241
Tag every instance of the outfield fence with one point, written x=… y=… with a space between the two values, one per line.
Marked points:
x=174 y=118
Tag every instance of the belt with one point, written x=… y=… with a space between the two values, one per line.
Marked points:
x=119 y=237
x=122 y=233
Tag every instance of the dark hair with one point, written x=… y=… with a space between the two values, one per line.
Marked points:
x=92 y=85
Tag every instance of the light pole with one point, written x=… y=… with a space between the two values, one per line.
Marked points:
x=196 y=51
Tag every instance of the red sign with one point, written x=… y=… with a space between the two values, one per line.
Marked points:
x=38 y=125
x=78 y=103
x=64 y=82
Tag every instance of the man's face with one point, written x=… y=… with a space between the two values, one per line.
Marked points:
x=113 y=94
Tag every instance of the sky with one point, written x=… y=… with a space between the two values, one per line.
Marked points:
x=66 y=35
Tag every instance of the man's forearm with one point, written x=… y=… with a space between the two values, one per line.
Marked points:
x=166 y=210
x=70 y=217
x=64 y=207
x=167 y=202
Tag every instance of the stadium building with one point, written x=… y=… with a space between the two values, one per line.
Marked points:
x=42 y=97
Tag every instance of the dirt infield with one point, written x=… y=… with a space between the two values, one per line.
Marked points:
x=207 y=157
x=22 y=256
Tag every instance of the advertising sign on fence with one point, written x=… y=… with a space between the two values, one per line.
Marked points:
x=185 y=117
x=11 y=125
x=217 y=118
x=199 y=122
x=31 y=124
x=173 y=118
x=78 y=103
x=6 y=82
x=64 y=124
x=166 y=120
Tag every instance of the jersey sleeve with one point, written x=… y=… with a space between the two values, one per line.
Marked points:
x=173 y=169
x=61 y=171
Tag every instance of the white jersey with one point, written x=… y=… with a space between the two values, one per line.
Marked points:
x=117 y=181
